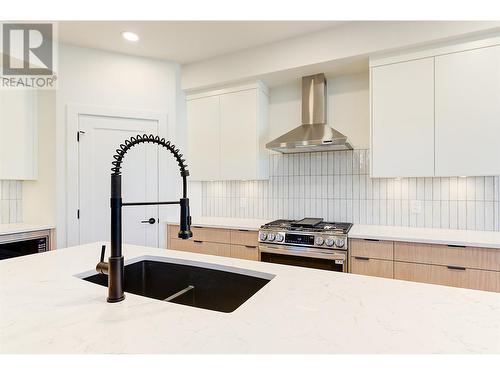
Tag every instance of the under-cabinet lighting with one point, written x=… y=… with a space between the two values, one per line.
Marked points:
x=130 y=36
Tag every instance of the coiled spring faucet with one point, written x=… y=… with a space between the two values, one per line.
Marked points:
x=114 y=267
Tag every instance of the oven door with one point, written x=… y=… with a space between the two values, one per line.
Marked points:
x=304 y=257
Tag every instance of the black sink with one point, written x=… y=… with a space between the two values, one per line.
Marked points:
x=189 y=283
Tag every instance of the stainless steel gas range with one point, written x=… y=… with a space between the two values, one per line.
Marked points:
x=310 y=242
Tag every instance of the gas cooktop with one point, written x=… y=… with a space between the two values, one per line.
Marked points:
x=308 y=225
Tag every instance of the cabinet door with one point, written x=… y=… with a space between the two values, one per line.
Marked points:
x=468 y=113
x=204 y=233
x=245 y=252
x=239 y=138
x=372 y=267
x=244 y=237
x=402 y=99
x=203 y=123
x=372 y=248
x=18 y=135
x=201 y=247
x=450 y=276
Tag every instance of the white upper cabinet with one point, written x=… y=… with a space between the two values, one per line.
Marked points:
x=468 y=113
x=402 y=97
x=203 y=118
x=436 y=112
x=18 y=135
x=227 y=134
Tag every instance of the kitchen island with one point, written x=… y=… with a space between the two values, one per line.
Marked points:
x=45 y=308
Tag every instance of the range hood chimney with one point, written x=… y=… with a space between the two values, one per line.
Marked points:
x=313 y=135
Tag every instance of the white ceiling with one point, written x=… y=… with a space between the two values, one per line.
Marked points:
x=184 y=41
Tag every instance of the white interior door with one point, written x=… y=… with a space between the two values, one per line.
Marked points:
x=99 y=139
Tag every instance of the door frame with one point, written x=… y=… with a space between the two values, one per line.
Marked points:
x=73 y=113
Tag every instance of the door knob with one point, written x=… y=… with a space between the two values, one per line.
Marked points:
x=151 y=220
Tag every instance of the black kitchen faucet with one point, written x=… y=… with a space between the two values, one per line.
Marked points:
x=114 y=267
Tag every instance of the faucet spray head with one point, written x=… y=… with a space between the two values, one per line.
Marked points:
x=185 y=220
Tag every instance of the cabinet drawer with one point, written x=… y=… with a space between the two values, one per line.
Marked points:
x=372 y=249
x=204 y=234
x=245 y=252
x=201 y=247
x=469 y=257
x=451 y=276
x=244 y=237
x=371 y=267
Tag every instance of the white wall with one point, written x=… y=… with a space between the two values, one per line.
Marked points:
x=339 y=43
x=348 y=108
x=105 y=79
x=39 y=196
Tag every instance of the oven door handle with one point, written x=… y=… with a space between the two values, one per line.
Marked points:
x=303 y=252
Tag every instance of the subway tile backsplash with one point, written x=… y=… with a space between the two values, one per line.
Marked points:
x=11 y=202
x=336 y=186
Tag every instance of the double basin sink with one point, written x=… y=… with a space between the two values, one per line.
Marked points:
x=197 y=284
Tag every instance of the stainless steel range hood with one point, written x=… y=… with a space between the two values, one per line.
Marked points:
x=313 y=135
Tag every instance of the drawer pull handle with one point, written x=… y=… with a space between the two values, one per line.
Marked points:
x=361 y=258
x=251 y=247
x=371 y=239
x=196 y=226
x=457 y=246
x=456 y=268
x=243 y=230
x=197 y=241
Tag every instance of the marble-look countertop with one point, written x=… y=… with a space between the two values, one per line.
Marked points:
x=46 y=309
x=22 y=227
x=427 y=235
x=226 y=222
x=381 y=232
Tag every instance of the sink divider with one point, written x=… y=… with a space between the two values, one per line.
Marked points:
x=179 y=293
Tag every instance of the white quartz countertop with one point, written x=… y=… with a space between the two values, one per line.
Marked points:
x=381 y=232
x=425 y=235
x=46 y=309
x=226 y=222
x=22 y=227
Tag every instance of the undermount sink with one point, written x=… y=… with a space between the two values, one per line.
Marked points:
x=203 y=285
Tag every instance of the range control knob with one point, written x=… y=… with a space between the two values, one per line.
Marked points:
x=319 y=241
x=279 y=237
x=329 y=241
x=339 y=242
x=262 y=236
x=270 y=237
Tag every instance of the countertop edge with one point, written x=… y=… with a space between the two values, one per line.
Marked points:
x=436 y=241
x=15 y=228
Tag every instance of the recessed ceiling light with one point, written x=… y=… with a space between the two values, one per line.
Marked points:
x=130 y=36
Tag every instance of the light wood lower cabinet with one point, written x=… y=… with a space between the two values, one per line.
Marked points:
x=245 y=252
x=458 y=266
x=372 y=267
x=204 y=233
x=372 y=248
x=234 y=243
x=244 y=237
x=201 y=247
x=448 y=275
x=448 y=255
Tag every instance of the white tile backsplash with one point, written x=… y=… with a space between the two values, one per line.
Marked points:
x=11 y=202
x=337 y=187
